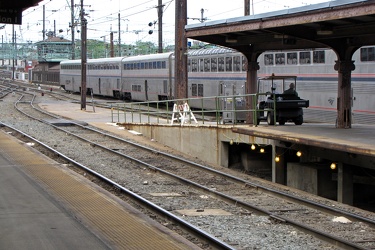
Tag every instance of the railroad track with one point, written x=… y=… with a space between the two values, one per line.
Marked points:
x=242 y=196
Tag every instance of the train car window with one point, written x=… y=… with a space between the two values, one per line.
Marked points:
x=194 y=65
x=142 y=65
x=280 y=58
x=201 y=65
x=228 y=64
x=136 y=88
x=237 y=63
x=213 y=64
x=291 y=58
x=244 y=63
x=146 y=65
x=154 y=65
x=319 y=56
x=163 y=64
x=200 y=89
x=158 y=64
x=207 y=65
x=221 y=64
x=194 y=89
x=367 y=54
x=150 y=65
x=305 y=57
x=268 y=59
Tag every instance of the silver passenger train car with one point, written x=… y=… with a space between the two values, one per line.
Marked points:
x=221 y=72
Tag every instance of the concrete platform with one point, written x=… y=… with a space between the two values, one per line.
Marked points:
x=360 y=139
x=44 y=205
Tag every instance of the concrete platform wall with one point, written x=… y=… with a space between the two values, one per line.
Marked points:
x=208 y=143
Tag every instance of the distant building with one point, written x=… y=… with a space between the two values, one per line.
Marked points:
x=54 y=50
x=51 y=52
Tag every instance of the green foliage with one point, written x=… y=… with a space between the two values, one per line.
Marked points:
x=101 y=49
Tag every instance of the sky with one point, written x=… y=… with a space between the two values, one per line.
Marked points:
x=135 y=16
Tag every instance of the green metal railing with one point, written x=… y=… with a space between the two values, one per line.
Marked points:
x=163 y=111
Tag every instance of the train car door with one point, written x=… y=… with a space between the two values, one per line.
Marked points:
x=232 y=103
x=99 y=85
x=146 y=90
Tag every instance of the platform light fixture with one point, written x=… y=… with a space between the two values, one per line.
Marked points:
x=299 y=153
x=253 y=147
x=261 y=150
x=333 y=166
x=277 y=158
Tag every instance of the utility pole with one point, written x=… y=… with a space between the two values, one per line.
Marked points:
x=247 y=7
x=181 y=81
x=119 y=35
x=160 y=25
x=14 y=49
x=112 y=50
x=83 y=57
x=72 y=28
x=44 y=22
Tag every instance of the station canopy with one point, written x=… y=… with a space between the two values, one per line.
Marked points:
x=19 y=4
x=330 y=24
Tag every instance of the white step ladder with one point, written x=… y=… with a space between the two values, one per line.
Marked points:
x=182 y=113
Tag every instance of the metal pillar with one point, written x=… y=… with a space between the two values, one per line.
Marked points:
x=278 y=168
x=344 y=184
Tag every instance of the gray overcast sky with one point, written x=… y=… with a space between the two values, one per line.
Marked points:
x=135 y=16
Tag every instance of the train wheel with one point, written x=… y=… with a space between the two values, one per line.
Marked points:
x=270 y=118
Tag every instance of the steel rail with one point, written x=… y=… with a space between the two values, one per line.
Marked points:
x=325 y=236
x=312 y=204
x=213 y=241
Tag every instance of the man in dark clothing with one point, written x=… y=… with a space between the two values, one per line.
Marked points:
x=291 y=90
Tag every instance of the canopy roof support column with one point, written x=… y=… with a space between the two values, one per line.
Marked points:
x=344 y=92
x=251 y=88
